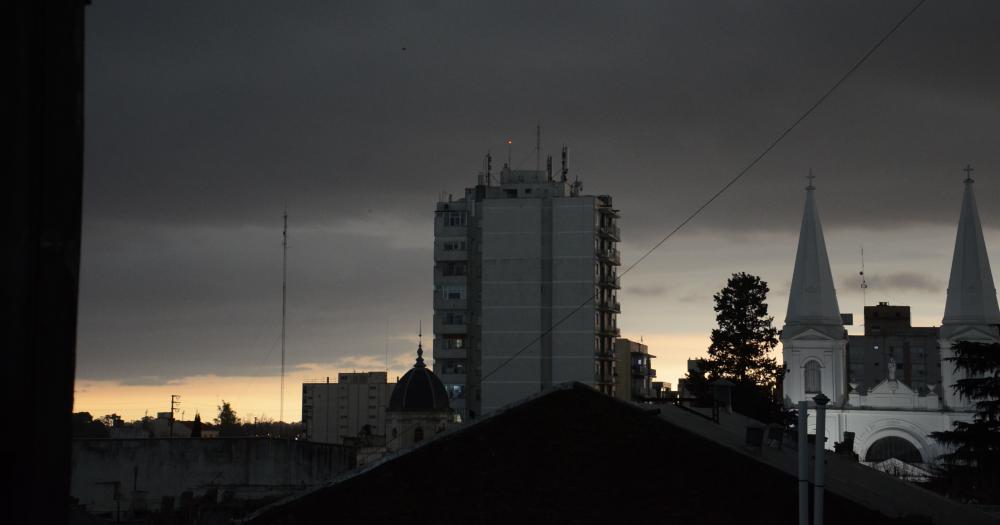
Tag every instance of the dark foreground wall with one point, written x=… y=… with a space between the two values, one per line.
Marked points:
x=41 y=199
x=142 y=471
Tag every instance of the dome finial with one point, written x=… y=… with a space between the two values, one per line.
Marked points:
x=968 y=173
x=420 y=346
x=810 y=177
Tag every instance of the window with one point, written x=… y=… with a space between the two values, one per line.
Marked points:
x=451 y=246
x=813 y=377
x=456 y=218
x=455 y=391
x=454 y=268
x=453 y=292
x=454 y=318
x=454 y=342
x=452 y=366
x=418 y=435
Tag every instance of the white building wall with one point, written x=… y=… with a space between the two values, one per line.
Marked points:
x=338 y=410
x=870 y=425
x=831 y=354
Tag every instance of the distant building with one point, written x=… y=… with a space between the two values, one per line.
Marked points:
x=634 y=373
x=352 y=407
x=165 y=426
x=683 y=389
x=889 y=336
x=662 y=390
x=510 y=261
x=419 y=407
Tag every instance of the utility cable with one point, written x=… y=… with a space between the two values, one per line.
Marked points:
x=729 y=184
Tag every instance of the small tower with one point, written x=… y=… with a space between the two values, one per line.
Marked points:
x=970 y=312
x=813 y=339
x=418 y=408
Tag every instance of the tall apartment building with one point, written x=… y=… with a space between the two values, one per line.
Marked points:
x=333 y=411
x=511 y=261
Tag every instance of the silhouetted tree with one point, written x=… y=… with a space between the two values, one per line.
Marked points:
x=112 y=420
x=229 y=424
x=196 y=426
x=741 y=345
x=84 y=426
x=972 y=467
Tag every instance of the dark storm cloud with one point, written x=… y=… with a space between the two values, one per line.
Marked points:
x=653 y=290
x=205 y=118
x=894 y=282
x=220 y=112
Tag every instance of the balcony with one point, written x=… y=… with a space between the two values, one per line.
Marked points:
x=608 y=210
x=441 y=352
x=608 y=331
x=611 y=256
x=643 y=371
x=609 y=281
x=440 y=303
x=609 y=306
x=611 y=231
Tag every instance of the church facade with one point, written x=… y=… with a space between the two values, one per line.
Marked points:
x=890 y=410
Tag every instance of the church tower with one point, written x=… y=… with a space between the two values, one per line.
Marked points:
x=813 y=339
x=970 y=312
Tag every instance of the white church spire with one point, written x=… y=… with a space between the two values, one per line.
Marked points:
x=972 y=297
x=812 y=301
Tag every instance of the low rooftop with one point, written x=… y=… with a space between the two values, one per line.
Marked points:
x=572 y=455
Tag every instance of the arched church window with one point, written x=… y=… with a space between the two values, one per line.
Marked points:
x=418 y=435
x=813 y=378
x=893 y=447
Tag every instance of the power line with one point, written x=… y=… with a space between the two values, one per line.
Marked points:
x=729 y=184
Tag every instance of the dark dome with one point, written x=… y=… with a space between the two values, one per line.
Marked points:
x=419 y=390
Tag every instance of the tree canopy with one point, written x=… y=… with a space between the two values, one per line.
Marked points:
x=740 y=350
x=227 y=420
x=972 y=464
x=741 y=345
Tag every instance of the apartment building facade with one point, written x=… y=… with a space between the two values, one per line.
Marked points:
x=525 y=289
x=334 y=411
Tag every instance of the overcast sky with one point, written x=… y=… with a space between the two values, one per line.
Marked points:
x=204 y=119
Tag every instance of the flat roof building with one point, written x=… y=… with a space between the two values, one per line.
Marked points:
x=511 y=261
x=354 y=405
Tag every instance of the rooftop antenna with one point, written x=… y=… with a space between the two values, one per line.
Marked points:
x=284 y=288
x=489 y=166
x=548 y=167
x=538 y=147
x=387 y=347
x=509 y=143
x=564 y=169
x=864 y=283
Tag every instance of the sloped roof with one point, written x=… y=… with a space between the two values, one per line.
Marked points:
x=570 y=455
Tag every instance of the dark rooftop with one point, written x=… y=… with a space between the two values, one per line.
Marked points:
x=569 y=456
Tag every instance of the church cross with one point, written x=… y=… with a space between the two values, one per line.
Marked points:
x=968 y=171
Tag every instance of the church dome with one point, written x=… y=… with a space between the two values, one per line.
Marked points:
x=419 y=390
